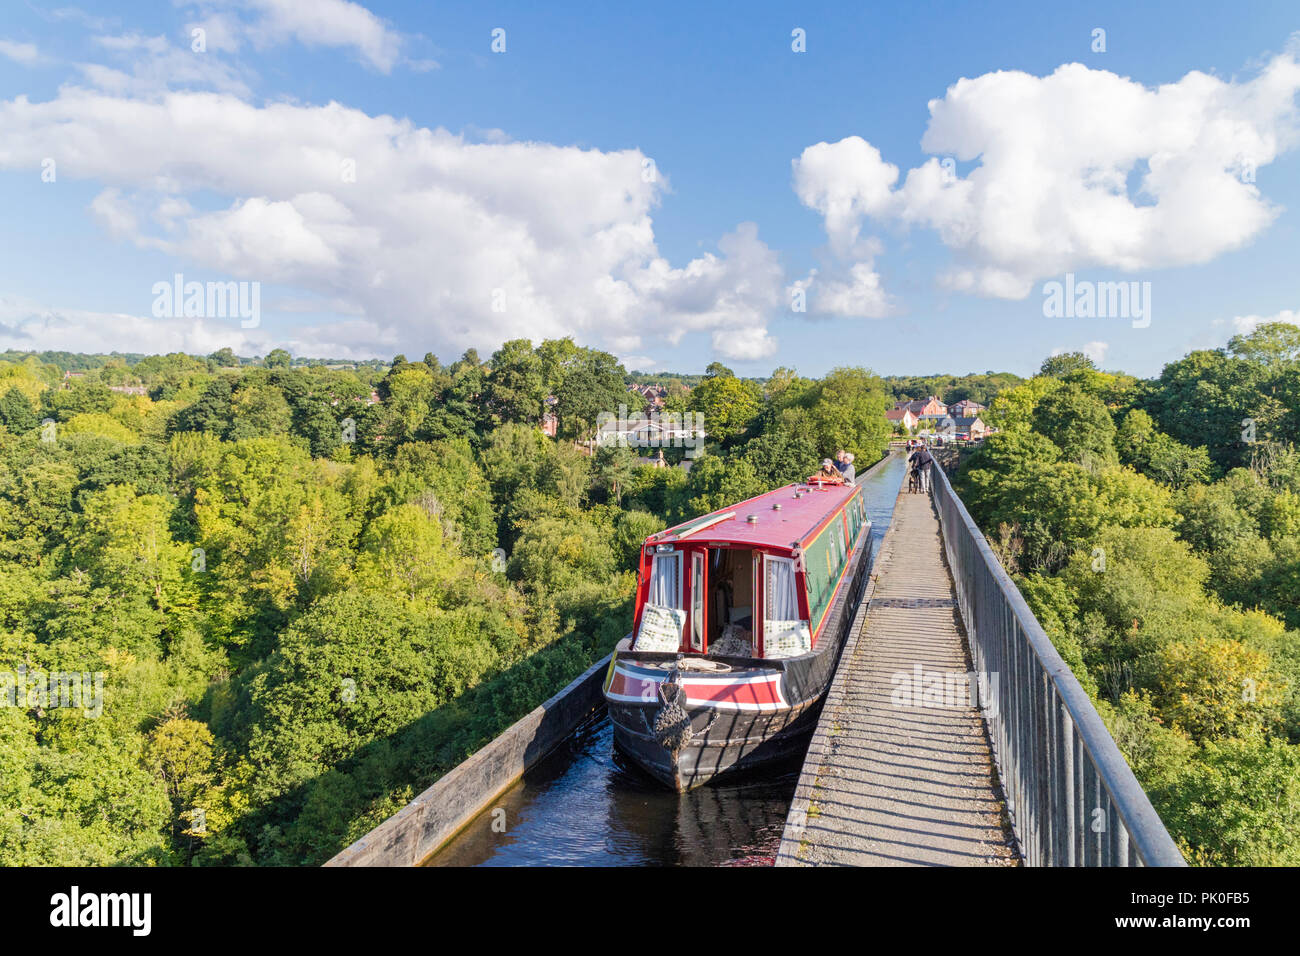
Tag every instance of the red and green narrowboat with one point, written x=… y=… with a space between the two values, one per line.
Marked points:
x=740 y=618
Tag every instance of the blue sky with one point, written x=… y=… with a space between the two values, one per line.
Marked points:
x=211 y=164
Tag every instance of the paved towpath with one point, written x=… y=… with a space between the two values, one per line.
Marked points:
x=900 y=779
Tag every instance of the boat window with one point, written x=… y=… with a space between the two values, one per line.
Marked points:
x=666 y=580
x=782 y=598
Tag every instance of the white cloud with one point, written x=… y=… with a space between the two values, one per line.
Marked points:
x=151 y=65
x=115 y=215
x=1097 y=351
x=313 y=23
x=853 y=292
x=745 y=344
x=1245 y=324
x=30 y=326
x=845 y=182
x=1055 y=156
x=24 y=53
x=1094 y=350
x=134 y=43
x=434 y=240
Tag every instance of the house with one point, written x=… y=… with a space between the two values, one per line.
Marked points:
x=655 y=462
x=923 y=407
x=902 y=416
x=966 y=408
x=958 y=427
x=550 y=424
x=127 y=389
x=655 y=395
x=971 y=427
x=660 y=431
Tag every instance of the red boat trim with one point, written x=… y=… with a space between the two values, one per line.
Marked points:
x=758 y=690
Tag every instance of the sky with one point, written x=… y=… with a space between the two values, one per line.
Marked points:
x=907 y=187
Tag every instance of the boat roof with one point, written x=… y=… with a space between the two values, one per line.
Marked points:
x=795 y=521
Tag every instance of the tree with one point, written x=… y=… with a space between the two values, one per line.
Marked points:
x=16 y=412
x=1078 y=424
x=402 y=550
x=210 y=413
x=1211 y=687
x=613 y=470
x=729 y=406
x=180 y=752
x=558 y=356
x=359 y=666
x=256 y=411
x=848 y=413
x=1273 y=344
x=1210 y=399
x=516 y=385
x=456 y=412
x=555 y=555
x=1059 y=366
x=593 y=383
x=1237 y=804
x=277 y=358
x=123 y=540
x=715 y=483
x=225 y=358
x=444 y=479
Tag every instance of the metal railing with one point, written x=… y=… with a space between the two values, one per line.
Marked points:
x=1072 y=798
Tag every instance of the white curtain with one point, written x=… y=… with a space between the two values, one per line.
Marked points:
x=665 y=573
x=782 y=601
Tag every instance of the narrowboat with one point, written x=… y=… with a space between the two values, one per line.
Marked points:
x=740 y=618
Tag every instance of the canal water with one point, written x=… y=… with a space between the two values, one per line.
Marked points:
x=586 y=804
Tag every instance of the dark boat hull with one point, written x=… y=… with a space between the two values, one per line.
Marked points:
x=752 y=713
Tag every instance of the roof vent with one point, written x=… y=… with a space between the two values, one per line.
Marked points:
x=777 y=506
x=752 y=519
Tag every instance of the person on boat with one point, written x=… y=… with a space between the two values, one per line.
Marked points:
x=845 y=466
x=828 y=474
x=920 y=460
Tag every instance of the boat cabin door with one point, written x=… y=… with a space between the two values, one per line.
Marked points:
x=698 y=604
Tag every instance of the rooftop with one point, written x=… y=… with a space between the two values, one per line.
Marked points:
x=796 y=519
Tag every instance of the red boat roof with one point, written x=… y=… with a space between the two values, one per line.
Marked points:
x=796 y=520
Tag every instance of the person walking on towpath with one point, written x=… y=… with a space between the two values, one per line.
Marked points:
x=921 y=460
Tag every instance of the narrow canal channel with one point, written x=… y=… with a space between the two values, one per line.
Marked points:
x=586 y=804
